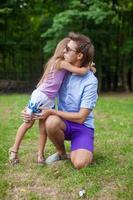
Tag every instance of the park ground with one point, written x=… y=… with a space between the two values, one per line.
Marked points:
x=109 y=177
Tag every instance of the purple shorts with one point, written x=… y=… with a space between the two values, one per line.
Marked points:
x=81 y=136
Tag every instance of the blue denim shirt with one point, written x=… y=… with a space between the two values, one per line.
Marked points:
x=79 y=92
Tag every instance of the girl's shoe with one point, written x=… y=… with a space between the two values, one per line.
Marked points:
x=13 y=157
x=40 y=160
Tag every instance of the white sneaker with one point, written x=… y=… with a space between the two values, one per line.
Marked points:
x=56 y=157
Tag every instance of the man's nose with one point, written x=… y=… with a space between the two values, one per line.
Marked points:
x=64 y=51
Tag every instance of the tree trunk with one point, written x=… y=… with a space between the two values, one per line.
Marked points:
x=125 y=74
x=131 y=80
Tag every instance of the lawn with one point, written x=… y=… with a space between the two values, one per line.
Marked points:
x=109 y=177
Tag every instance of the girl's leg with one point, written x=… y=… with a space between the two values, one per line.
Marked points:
x=19 y=136
x=42 y=141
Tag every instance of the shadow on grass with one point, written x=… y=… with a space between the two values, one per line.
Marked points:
x=99 y=159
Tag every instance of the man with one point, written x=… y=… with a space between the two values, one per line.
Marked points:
x=74 y=119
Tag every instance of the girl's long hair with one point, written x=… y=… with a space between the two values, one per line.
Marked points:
x=58 y=55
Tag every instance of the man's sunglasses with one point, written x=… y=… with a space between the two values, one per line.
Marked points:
x=69 y=49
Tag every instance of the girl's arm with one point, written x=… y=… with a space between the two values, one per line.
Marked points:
x=71 y=68
x=78 y=117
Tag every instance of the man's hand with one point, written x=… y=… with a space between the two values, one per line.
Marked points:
x=43 y=115
x=26 y=117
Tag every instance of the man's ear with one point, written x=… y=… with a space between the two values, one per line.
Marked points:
x=79 y=56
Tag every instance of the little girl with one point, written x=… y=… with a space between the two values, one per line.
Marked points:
x=43 y=96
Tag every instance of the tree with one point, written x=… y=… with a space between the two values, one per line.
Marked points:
x=28 y=26
x=110 y=30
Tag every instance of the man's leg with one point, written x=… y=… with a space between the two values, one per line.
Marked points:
x=81 y=158
x=82 y=145
x=55 y=128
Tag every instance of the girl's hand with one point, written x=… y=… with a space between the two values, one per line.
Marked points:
x=92 y=67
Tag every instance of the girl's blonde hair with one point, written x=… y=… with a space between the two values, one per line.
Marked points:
x=58 y=55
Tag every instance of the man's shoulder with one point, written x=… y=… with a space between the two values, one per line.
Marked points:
x=90 y=78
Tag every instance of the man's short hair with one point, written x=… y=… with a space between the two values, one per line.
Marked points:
x=84 y=46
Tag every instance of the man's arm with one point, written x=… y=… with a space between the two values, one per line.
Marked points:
x=71 y=68
x=78 y=117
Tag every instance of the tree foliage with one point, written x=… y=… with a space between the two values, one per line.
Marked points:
x=28 y=27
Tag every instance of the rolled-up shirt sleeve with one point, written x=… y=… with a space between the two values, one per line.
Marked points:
x=89 y=96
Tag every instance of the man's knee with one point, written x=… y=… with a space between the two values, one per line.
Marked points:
x=52 y=123
x=81 y=158
x=79 y=164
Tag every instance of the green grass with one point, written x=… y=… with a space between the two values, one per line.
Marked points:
x=110 y=177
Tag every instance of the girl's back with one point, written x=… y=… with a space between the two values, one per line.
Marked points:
x=52 y=78
x=52 y=82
